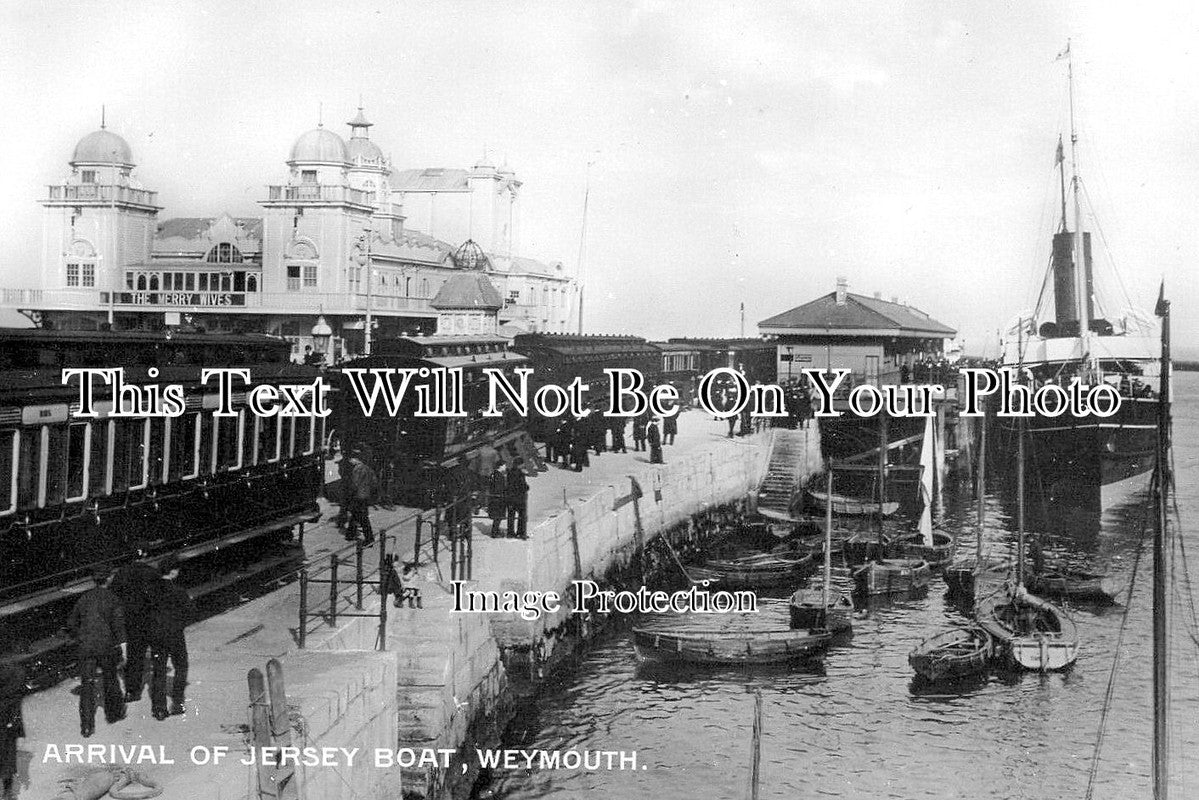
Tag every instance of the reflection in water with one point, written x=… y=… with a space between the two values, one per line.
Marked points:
x=863 y=727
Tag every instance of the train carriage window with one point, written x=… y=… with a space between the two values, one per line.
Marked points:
x=79 y=441
x=97 y=462
x=9 y=458
x=228 y=442
x=156 y=451
x=252 y=427
x=207 y=447
x=303 y=428
x=53 y=466
x=27 y=466
x=184 y=447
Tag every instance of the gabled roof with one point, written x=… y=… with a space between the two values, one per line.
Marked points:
x=858 y=314
x=430 y=179
x=468 y=290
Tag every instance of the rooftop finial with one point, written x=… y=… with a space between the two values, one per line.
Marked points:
x=320 y=115
x=102 y=118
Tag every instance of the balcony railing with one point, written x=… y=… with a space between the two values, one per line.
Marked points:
x=216 y=302
x=318 y=193
x=102 y=193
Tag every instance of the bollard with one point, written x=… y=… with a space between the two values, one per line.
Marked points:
x=333 y=590
x=358 y=572
x=303 y=606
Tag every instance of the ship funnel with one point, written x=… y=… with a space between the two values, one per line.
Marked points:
x=1065 y=298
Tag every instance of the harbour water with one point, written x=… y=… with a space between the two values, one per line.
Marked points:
x=860 y=726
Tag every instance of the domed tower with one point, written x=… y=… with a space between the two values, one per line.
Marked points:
x=97 y=221
x=370 y=172
x=313 y=221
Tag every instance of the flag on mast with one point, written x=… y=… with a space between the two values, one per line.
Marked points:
x=1065 y=52
x=1061 y=154
x=1163 y=305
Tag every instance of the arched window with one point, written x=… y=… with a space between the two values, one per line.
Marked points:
x=424 y=287
x=154 y=282
x=141 y=283
x=251 y=282
x=224 y=253
x=407 y=287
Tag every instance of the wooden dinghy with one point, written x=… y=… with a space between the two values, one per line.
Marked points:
x=938 y=554
x=1030 y=632
x=851 y=506
x=892 y=576
x=863 y=546
x=810 y=613
x=1073 y=585
x=955 y=653
x=762 y=569
x=726 y=647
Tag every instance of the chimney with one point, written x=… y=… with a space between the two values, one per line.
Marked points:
x=842 y=287
x=878 y=295
x=895 y=299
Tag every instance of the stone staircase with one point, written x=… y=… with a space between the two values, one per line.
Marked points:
x=792 y=456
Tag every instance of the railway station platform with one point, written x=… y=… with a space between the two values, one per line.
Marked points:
x=424 y=689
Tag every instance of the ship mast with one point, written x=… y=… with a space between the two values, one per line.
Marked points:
x=1162 y=480
x=1082 y=294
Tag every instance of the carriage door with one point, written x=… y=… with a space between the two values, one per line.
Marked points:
x=872 y=370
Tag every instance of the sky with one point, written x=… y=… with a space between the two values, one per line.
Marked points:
x=731 y=152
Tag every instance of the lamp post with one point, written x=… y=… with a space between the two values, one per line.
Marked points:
x=364 y=259
x=790 y=361
x=321 y=335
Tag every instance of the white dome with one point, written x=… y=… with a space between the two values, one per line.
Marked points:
x=319 y=146
x=361 y=147
x=102 y=147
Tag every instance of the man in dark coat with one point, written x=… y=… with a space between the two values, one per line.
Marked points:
x=639 y=433
x=653 y=434
x=618 y=425
x=343 y=496
x=97 y=624
x=173 y=611
x=133 y=584
x=497 y=490
x=12 y=725
x=578 y=447
x=517 y=499
x=363 y=485
x=670 y=428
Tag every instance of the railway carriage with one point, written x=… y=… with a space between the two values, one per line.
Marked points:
x=424 y=461
x=78 y=493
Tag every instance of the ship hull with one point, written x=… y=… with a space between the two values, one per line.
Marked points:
x=1091 y=463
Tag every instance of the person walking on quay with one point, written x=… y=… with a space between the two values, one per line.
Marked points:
x=12 y=724
x=564 y=431
x=485 y=463
x=618 y=425
x=578 y=447
x=173 y=611
x=670 y=428
x=360 y=493
x=97 y=624
x=133 y=585
x=344 y=479
x=653 y=434
x=732 y=425
x=517 y=499
x=639 y=423
x=497 y=489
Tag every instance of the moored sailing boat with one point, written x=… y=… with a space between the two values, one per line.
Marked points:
x=1032 y=633
x=818 y=610
x=1090 y=462
x=935 y=547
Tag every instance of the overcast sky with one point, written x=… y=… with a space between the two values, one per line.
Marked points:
x=740 y=152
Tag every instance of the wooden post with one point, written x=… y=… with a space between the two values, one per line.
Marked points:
x=755 y=753
x=285 y=776
x=333 y=589
x=358 y=574
x=383 y=581
x=416 y=544
x=303 y=606
x=260 y=731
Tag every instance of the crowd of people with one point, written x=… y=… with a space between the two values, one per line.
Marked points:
x=137 y=612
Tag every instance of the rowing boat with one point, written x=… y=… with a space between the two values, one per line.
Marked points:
x=952 y=654
x=734 y=647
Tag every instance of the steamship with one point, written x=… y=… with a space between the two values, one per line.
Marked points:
x=1089 y=463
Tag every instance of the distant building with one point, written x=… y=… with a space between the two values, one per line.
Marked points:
x=331 y=245
x=868 y=335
